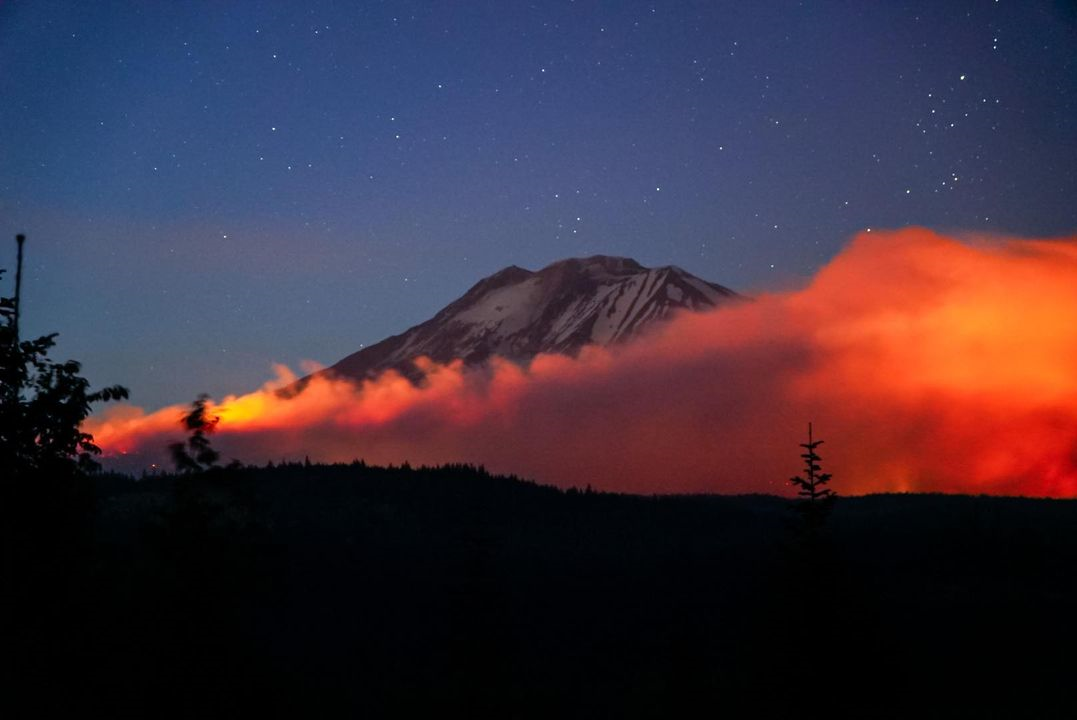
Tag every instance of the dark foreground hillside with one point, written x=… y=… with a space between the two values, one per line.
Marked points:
x=412 y=592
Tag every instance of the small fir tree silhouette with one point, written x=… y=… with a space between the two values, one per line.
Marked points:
x=815 y=498
x=812 y=574
x=196 y=454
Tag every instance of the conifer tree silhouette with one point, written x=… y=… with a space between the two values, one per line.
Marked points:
x=814 y=578
x=815 y=498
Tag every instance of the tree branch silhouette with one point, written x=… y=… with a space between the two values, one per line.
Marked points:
x=196 y=454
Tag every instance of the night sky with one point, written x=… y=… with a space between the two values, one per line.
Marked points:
x=210 y=187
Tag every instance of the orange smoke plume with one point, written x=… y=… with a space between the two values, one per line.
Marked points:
x=927 y=364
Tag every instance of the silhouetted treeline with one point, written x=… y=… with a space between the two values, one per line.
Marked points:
x=405 y=591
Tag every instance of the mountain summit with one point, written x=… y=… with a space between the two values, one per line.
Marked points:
x=517 y=314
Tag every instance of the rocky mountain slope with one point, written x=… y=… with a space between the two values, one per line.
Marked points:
x=518 y=313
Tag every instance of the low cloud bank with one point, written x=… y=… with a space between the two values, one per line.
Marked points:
x=927 y=363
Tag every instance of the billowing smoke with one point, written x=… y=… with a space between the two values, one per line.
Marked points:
x=926 y=363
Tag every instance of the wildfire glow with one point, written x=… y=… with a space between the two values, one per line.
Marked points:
x=927 y=364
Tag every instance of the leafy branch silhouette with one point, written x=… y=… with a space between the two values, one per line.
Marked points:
x=196 y=454
x=43 y=403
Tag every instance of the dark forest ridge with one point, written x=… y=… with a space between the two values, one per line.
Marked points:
x=518 y=313
x=400 y=591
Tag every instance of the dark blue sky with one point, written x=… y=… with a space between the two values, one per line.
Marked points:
x=210 y=187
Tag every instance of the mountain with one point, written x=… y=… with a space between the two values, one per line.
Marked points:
x=518 y=313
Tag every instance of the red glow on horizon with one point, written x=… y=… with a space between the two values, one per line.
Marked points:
x=927 y=364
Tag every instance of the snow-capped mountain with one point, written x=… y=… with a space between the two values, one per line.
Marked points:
x=518 y=313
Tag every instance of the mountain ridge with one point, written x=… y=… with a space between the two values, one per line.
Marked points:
x=516 y=313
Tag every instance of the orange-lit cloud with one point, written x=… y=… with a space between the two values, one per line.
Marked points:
x=926 y=363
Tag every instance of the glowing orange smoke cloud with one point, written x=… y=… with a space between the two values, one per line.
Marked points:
x=926 y=363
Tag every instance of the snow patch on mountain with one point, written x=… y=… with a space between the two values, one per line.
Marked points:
x=518 y=313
